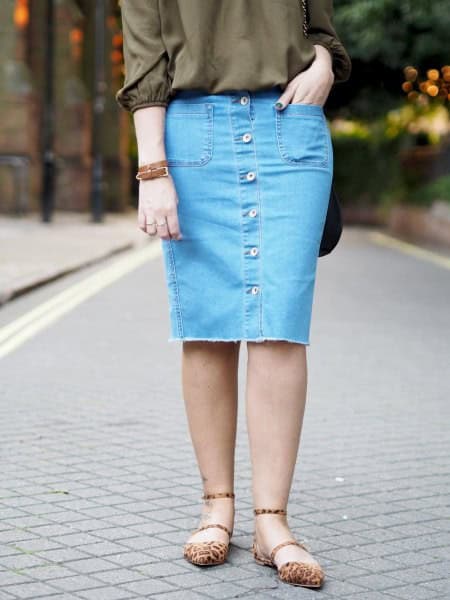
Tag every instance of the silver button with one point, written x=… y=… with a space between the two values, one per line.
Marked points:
x=247 y=137
x=255 y=290
x=252 y=213
x=251 y=175
x=254 y=251
x=244 y=100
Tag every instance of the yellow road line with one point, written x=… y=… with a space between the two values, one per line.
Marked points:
x=411 y=249
x=19 y=331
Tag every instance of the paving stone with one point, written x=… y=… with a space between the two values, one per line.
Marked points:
x=90 y=565
x=148 y=587
x=225 y=590
x=343 y=572
x=117 y=576
x=376 y=581
x=11 y=577
x=31 y=590
x=338 y=588
x=181 y=595
x=161 y=569
x=413 y=592
x=49 y=571
x=6 y=596
x=438 y=585
x=104 y=549
x=61 y=555
x=20 y=561
x=105 y=593
x=64 y=596
x=369 y=596
x=75 y=583
x=132 y=559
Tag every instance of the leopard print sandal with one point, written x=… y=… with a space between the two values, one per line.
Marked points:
x=293 y=572
x=210 y=552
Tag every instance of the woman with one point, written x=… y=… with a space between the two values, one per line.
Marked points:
x=235 y=162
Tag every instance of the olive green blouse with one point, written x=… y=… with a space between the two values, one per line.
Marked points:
x=219 y=45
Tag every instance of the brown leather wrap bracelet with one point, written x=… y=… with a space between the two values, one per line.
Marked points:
x=153 y=170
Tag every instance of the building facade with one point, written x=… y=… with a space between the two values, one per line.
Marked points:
x=47 y=106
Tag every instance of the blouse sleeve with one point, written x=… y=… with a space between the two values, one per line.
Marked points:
x=321 y=31
x=145 y=57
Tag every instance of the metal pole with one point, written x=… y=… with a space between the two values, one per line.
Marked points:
x=98 y=111
x=48 y=163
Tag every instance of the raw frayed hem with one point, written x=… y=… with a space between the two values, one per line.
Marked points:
x=257 y=340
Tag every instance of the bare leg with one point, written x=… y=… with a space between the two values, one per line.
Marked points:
x=210 y=388
x=275 y=404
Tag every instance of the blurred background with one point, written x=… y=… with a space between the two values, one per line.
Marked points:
x=61 y=131
x=68 y=152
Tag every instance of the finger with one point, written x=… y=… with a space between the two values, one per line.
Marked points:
x=161 y=226
x=149 y=221
x=285 y=98
x=174 y=226
x=151 y=226
x=141 y=219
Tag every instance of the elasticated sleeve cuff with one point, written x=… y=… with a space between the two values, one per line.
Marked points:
x=147 y=89
x=321 y=31
x=145 y=58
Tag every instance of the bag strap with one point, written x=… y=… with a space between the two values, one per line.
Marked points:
x=305 y=11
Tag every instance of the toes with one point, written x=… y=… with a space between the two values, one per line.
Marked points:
x=299 y=573
x=205 y=553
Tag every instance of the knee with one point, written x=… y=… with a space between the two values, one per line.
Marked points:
x=274 y=352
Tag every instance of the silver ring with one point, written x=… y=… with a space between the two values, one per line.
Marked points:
x=150 y=222
x=161 y=224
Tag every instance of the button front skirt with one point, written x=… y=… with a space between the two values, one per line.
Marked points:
x=253 y=185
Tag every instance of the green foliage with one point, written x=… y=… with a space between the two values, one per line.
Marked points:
x=395 y=32
x=382 y=38
x=376 y=166
x=439 y=189
x=421 y=124
x=365 y=167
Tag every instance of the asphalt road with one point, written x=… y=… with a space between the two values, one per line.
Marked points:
x=99 y=485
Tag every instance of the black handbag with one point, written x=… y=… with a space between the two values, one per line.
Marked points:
x=333 y=222
x=332 y=229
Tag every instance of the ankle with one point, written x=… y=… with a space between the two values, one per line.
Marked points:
x=269 y=519
x=213 y=507
x=269 y=524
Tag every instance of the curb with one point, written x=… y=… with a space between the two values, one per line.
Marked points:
x=10 y=294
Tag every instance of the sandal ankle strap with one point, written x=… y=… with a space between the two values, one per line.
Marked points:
x=262 y=511
x=218 y=495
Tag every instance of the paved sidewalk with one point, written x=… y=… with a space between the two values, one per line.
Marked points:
x=100 y=487
x=32 y=252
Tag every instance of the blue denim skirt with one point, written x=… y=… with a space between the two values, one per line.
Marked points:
x=253 y=185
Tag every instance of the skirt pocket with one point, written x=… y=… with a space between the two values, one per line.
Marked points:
x=188 y=133
x=303 y=135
